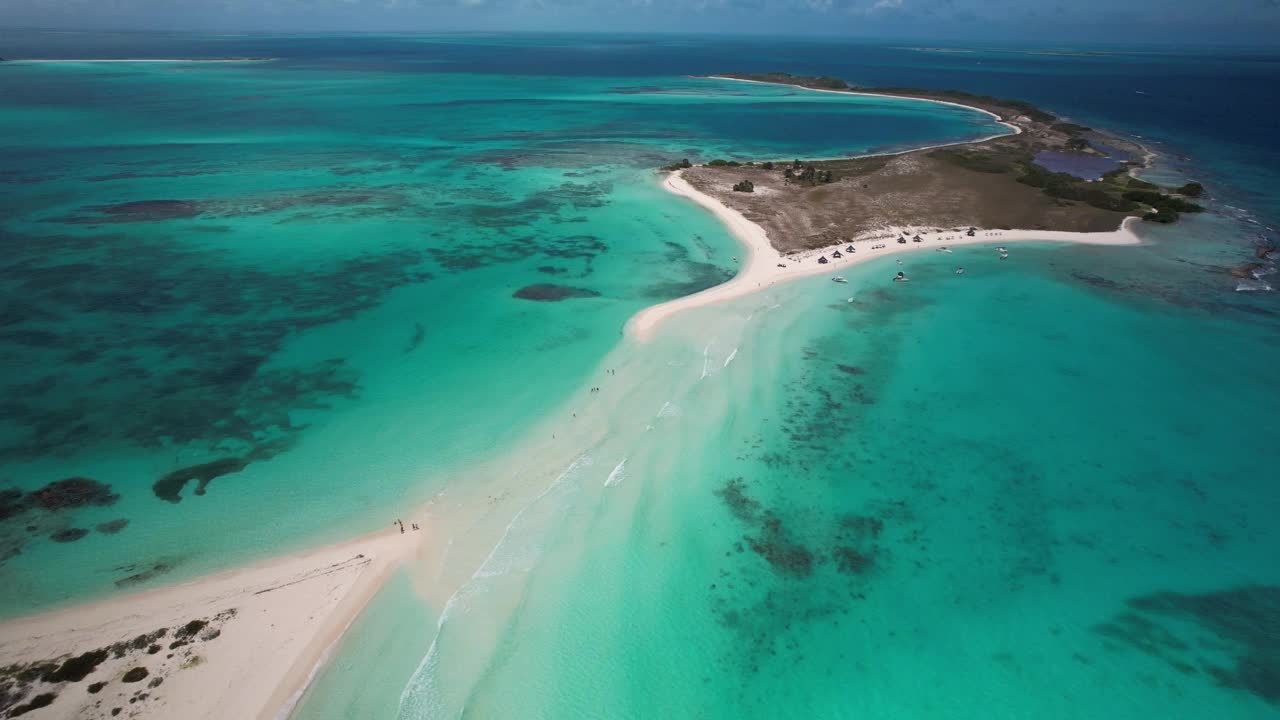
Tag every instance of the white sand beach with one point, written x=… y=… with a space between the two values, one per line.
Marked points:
x=763 y=266
x=288 y=612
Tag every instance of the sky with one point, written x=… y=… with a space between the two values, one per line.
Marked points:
x=1018 y=21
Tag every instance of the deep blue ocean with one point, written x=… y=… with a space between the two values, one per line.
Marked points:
x=1215 y=105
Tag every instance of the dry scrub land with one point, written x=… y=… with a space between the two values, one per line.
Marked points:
x=990 y=184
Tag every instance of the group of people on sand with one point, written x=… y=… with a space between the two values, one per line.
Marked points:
x=597 y=389
x=401 y=524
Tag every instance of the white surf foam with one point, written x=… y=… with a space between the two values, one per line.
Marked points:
x=618 y=474
x=729 y=359
x=1252 y=286
x=420 y=697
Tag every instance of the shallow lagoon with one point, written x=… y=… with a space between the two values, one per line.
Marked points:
x=271 y=305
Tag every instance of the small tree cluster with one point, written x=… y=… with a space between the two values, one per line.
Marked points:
x=683 y=164
x=809 y=175
x=744 y=186
x=1165 y=207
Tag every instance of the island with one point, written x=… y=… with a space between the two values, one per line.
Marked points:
x=995 y=183
x=798 y=218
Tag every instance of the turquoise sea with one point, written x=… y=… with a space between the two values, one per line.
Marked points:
x=379 y=269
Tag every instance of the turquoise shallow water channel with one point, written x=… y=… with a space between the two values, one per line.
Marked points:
x=1008 y=493
x=264 y=306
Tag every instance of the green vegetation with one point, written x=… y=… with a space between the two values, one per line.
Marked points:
x=977 y=161
x=1158 y=200
x=744 y=186
x=77 y=668
x=37 y=702
x=718 y=162
x=1070 y=128
x=830 y=82
x=1097 y=197
x=1117 y=191
x=1077 y=144
x=1120 y=176
x=823 y=82
x=1161 y=216
x=1069 y=187
x=858 y=166
x=1166 y=207
x=768 y=165
x=679 y=166
x=1191 y=189
x=135 y=675
x=808 y=175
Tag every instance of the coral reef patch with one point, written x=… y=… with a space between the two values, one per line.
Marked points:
x=546 y=292
x=1228 y=637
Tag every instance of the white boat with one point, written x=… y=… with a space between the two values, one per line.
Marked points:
x=839 y=279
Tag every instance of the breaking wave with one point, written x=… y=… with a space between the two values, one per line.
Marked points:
x=617 y=475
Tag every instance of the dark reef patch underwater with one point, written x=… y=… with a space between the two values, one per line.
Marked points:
x=43 y=511
x=547 y=292
x=153 y=341
x=104 y=311
x=1229 y=637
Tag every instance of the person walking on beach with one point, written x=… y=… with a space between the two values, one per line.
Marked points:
x=401 y=524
